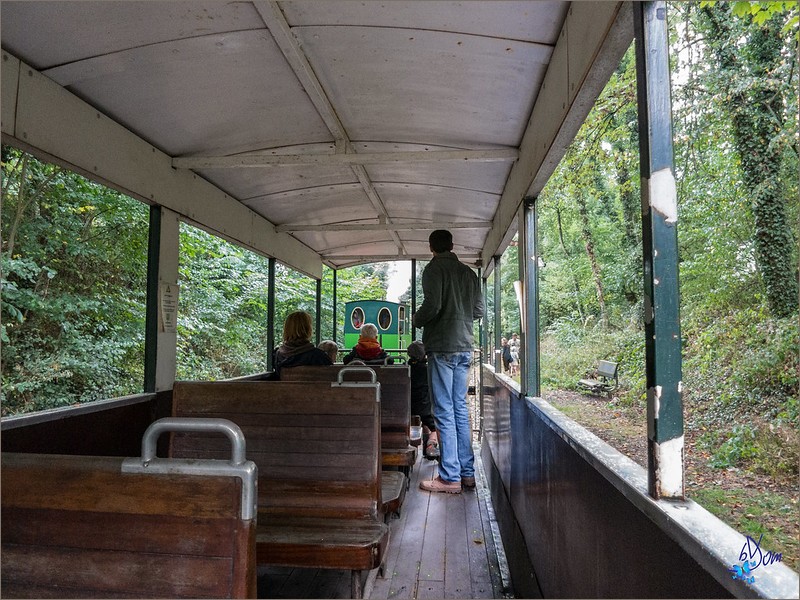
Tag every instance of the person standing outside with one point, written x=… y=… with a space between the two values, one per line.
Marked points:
x=515 y=347
x=452 y=301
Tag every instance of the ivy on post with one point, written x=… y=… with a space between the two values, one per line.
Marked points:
x=660 y=249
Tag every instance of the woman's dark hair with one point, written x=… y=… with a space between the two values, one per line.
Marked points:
x=441 y=240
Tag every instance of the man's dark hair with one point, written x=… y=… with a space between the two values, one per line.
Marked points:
x=441 y=240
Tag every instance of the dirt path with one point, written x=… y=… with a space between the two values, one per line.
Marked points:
x=750 y=503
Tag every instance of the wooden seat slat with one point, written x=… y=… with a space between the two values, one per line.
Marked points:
x=393 y=491
x=77 y=526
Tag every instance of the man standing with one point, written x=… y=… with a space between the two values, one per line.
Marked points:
x=452 y=302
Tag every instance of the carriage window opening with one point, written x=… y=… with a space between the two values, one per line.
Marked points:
x=401 y=320
x=74 y=264
x=222 y=307
x=384 y=318
x=357 y=318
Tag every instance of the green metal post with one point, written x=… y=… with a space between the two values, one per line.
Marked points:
x=270 y=312
x=151 y=307
x=529 y=269
x=334 y=336
x=660 y=249
x=318 y=307
x=498 y=359
x=413 y=295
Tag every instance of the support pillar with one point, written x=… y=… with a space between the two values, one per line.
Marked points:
x=529 y=272
x=270 y=312
x=334 y=335
x=160 y=346
x=660 y=250
x=413 y=295
x=498 y=359
x=318 y=309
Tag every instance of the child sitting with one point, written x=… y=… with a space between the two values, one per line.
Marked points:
x=368 y=348
x=420 y=399
x=330 y=348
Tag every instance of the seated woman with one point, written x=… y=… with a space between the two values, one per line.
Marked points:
x=368 y=348
x=330 y=348
x=297 y=348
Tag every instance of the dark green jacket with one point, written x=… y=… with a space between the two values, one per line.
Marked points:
x=453 y=300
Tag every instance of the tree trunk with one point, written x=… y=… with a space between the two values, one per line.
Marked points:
x=567 y=256
x=586 y=233
x=755 y=107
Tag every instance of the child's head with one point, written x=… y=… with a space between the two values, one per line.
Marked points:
x=330 y=348
x=416 y=350
x=369 y=331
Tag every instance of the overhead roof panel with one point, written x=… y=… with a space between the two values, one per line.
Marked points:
x=219 y=93
x=525 y=21
x=441 y=204
x=344 y=203
x=44 y=32
x=427 y=86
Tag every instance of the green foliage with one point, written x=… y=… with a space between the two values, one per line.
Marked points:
x=74 y=261
x=740 y=347
x=746 y=360
x=223 y=315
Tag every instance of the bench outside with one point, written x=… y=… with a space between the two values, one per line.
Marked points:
x=77 y=526
x=316 y=446
x=605 y=378
x=395 y=381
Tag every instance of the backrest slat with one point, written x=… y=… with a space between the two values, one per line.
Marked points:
x=76 y=526
x=607 y=368
x=316 y=446
x=395 y=383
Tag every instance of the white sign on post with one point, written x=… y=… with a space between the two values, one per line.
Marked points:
x=169 y=308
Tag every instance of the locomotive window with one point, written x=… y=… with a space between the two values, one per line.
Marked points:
x=384 y=318
x=357 y=318
x=401 y=320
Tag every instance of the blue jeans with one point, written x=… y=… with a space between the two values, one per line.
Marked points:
x=448 y=373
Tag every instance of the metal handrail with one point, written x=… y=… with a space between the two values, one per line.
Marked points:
x=237 y=466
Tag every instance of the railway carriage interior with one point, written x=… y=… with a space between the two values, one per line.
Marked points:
x=334 y=134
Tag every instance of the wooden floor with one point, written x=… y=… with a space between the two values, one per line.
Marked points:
x=441 y=547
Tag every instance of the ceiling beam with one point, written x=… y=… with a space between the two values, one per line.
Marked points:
x=384 y=226
x=330 y=159
x=280 y=30
x=361 y=259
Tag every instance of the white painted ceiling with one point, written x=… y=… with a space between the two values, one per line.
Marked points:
x=205 y=78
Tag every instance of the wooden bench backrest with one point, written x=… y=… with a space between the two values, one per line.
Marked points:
x=316 y=447
x=395 y=383
x=607 y=369
x=77 y=527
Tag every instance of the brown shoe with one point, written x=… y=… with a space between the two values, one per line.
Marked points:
x=440 y=485
x=468 y=482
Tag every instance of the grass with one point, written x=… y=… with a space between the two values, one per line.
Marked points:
x=756 y=513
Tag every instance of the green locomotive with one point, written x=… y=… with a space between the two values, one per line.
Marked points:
x=392 y=319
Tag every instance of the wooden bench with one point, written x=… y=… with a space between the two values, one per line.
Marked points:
x=604 y=379
x=395 y=380
x=316 y=446
x=83 y=527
